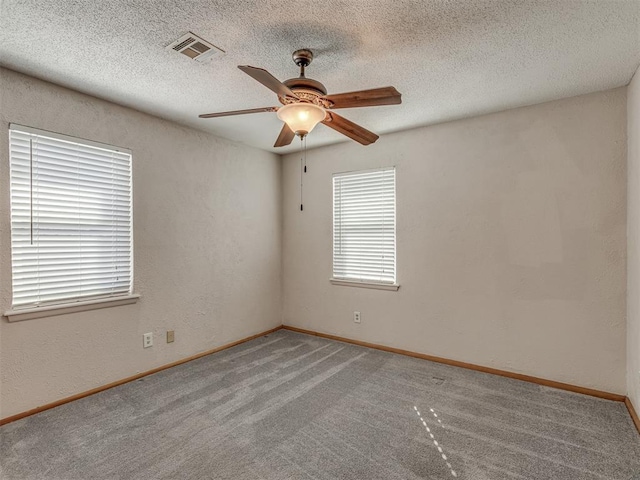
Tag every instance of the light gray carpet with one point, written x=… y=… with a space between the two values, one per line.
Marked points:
x=292 y=406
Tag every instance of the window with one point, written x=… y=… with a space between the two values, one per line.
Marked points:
x=71 y=220
x=364 y=227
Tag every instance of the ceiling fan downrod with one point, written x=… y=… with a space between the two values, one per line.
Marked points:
x=302 y=58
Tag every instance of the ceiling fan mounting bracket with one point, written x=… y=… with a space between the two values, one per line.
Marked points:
x=302 y=57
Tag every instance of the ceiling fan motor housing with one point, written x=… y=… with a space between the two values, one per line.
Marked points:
x=306 y=84
x=306 y=89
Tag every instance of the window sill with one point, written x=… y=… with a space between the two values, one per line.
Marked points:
x=377 y=286
x=72 y=307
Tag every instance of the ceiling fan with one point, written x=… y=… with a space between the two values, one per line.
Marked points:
x=305 y=103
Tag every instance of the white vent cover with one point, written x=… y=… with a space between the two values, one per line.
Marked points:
x=194 y=47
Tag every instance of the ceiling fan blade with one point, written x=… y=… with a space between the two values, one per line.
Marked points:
x=268 y=80
x=350 y=129
x=285 y=137
x=366 y=98
x=238 y=112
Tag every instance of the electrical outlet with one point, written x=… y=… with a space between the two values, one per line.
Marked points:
x=356 y=317
x=147 y=340
x=171 y=336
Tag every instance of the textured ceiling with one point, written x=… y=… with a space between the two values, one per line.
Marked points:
x=449 y=59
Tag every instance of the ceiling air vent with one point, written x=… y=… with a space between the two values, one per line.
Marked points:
x=194 y=47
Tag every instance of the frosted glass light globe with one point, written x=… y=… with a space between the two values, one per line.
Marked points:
x=301 y=117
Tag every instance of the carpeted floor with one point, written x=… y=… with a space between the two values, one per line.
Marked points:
x=292 y=406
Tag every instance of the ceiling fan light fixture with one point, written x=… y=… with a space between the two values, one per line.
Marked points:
x=306 y=103
x=301 y=117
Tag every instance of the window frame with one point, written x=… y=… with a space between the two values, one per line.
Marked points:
x=69 y=304
x=365 y=283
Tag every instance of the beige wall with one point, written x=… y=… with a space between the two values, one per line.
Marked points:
x=511 y=242
x=633 y=237
x=511 y=245
x=207 y=231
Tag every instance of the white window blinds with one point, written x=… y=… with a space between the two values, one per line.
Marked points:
x=364 y=226
x=71 y=223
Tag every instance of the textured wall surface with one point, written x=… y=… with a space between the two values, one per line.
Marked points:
x=511 y=242
x=207 y=235
x=633 y=237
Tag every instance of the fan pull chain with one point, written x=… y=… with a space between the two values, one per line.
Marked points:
x=305 y=154
x=301 y=171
